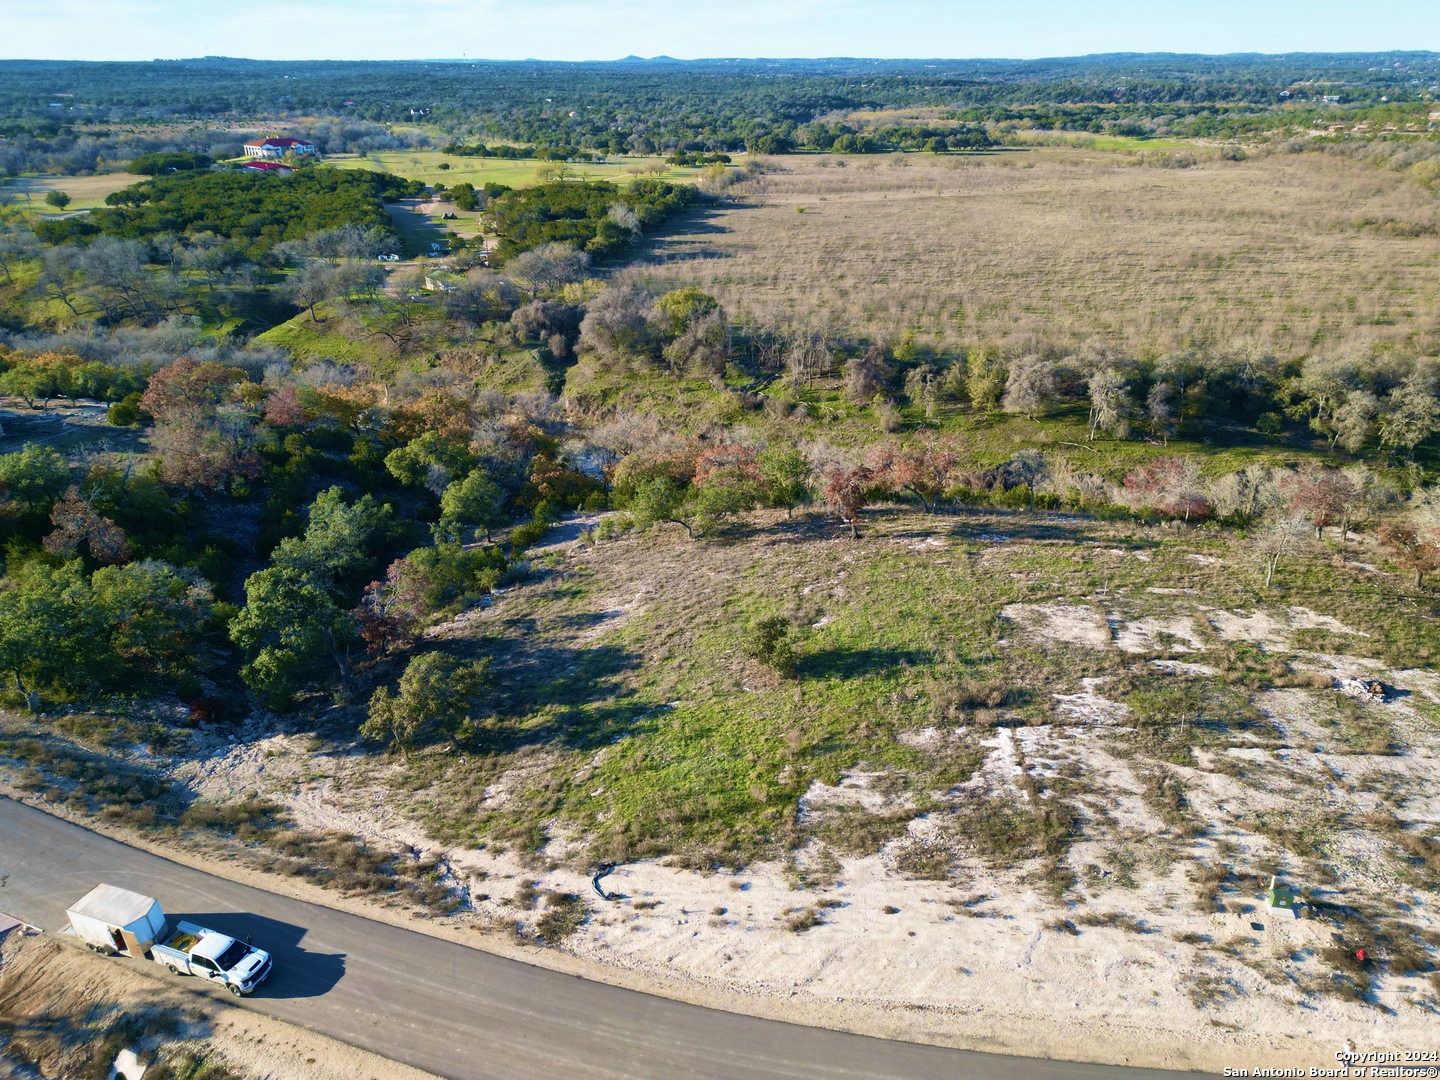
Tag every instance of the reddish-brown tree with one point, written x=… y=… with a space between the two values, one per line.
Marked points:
x=389 y=610
x=189 y=392
x=283 y=408
x=925 y=469
x=1411 y=551
x=76 y=522
x=847 y=490
x=1322 y=495
x=1170 y=486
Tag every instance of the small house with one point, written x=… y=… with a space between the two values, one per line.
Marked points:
x=279 y=168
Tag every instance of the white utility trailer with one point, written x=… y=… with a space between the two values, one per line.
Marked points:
x=113 y=920
x=117 y=921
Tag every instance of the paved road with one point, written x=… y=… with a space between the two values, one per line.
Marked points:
x=457 y=1011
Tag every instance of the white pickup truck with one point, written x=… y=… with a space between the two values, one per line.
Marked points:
x=117 y=921
x=194 y=950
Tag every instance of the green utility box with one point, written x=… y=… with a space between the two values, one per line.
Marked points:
x=1281 y=896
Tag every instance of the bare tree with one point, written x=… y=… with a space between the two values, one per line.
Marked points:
x=548 y=267
x=311 y=284
x=1412 y=417
x=806 y=356
x=1354 y=421
x=17 y=245
x=1109 y=403
x=60 y=275
x=1282 y=533
x=116 y=278
x=1026 y=468
x=617 y=324
x=1160 y=411
x=1370 y=494
x=1244 y=494
x=1029 y=387
x=480 y=298
x=625 y=217
x=1319 y=494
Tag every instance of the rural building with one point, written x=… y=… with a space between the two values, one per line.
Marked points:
x=274 y=149
x=269 y=167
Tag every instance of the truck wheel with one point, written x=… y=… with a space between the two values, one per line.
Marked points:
x=172 y=969
x=234 y=989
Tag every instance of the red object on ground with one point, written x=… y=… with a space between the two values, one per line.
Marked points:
x=1360 y=955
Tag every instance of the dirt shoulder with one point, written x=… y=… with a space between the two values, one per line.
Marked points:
x=1017 y=971
x=64 y=1013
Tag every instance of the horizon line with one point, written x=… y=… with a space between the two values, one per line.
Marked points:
x=663 y=58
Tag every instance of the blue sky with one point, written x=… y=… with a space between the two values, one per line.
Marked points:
x=608 y=29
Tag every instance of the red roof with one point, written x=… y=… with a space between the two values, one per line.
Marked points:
x=267 y=166
x=286 y=142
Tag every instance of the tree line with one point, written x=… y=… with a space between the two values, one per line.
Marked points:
x=258 y=208
x=697 y=106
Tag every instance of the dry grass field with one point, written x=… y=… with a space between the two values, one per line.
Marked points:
x=426 y=165
x=1066 y=244
x=86 y=192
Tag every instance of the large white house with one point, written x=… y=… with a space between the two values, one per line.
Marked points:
x=277 y=148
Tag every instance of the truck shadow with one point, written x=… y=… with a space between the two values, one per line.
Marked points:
x=298 y=973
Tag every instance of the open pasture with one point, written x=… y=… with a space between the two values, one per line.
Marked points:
x=86 y=192
x=425 y=165
x=1057 y=244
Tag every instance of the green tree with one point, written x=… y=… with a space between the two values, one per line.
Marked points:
x=785 y=474
x=51 y=633
x=476 y=502
x=154 y=613
x=33 y=381
x=436 y=693
x=337 y=541
x=985 y=377
x=430 y=460
x=295 y=623
x=33 y=477
x=657 y=501
x=684 y=306
x=769 y=643
x=464 y=195
x=291 y=628
x=57 y=199
x=168 y=161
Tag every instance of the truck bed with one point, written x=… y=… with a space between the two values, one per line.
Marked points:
x=177 y=940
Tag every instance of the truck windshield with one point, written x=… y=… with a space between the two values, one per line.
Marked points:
x=232 y=956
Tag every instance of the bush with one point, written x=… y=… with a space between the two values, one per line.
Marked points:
x=769 y=643
x=563 y=915
x=436 y=692
x=125 y=412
